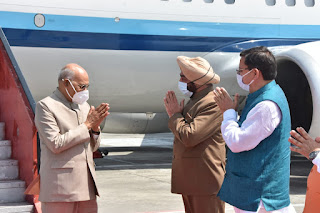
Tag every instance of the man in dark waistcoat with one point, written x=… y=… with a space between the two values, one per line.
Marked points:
x=258 y=155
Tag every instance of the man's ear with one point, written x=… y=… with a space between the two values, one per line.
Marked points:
x=65 y=82
x=257 y=73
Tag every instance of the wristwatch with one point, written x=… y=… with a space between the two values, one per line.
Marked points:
x=313 y=155
x=94 y=132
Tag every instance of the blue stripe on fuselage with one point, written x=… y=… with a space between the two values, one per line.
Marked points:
x=61 y=31
x=60 y=39
x=18 y=20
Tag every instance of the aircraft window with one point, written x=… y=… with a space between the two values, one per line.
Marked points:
x=309 y=3
x=229 y=1
x=39 y=20
x=290 y=2
x=187 y=0
x=208 y=1
x=271 y=2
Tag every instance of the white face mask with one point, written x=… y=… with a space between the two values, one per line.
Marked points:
x=183 y=88
x=244 y=86
x=78 y=97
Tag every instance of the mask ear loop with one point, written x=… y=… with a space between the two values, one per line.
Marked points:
x=247 y=74
x=72 y=88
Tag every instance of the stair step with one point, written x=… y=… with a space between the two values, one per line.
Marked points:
x=7 y=184
x=22 y=207
x=5 y=149
x=12 y=191
x=2 y=130
x=9 y=169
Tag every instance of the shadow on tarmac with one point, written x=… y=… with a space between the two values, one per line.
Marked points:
x=144 y=174
x=135 y=158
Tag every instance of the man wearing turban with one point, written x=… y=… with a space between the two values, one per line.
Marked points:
x=198 y=164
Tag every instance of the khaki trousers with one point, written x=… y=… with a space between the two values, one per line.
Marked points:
x=88 y=206
x=203 y=204
x=312 y=204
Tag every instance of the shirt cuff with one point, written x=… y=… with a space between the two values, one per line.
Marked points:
x=95 y=136
x=230 y=114
x=316 y=162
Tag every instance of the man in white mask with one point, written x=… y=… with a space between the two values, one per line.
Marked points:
x=198 y=148
x=258 y=167
x=69 y=134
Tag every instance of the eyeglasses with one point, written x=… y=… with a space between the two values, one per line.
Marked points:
x=240 y=70
x=83 y=86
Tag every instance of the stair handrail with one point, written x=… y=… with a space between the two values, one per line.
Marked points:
x=24 y=138
x=18 y=71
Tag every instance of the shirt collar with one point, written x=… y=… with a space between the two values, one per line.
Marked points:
x=64 y=99
x=60 y=95
x=262 y=89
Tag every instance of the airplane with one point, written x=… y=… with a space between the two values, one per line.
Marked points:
x=129 y=49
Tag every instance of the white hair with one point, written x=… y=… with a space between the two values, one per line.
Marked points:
x=66 y=73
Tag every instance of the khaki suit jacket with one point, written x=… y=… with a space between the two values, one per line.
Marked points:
x=199 y=153
x=67 y=172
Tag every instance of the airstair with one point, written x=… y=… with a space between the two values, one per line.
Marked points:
x=18 y=136
x=12 y=198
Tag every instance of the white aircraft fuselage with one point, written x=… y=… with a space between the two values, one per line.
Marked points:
x=129 y=48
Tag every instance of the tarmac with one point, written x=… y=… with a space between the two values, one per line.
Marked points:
x=135 y=176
